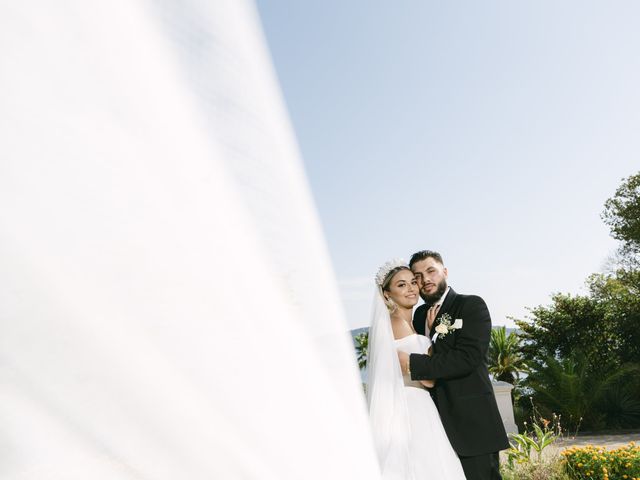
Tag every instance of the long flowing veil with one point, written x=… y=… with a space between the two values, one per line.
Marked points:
x=167 y=305
x=388 y=411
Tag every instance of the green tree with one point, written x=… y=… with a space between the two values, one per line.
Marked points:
x=584 y=355
x=622 y=214
x=620 y=294
x=362 y=348
x=505 y=359
x=569 y=324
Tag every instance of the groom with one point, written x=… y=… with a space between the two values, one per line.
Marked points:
x=463 y=392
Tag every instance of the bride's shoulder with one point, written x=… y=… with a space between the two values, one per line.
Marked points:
x=400 y=328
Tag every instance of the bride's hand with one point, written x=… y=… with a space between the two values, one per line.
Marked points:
x=428 y=383
x=403 y=358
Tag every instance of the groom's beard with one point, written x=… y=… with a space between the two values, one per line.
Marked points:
x=432 y=298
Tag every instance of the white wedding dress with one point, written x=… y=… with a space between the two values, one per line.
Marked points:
x=430 y=452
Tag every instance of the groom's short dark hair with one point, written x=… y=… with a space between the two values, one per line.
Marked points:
x=422 y=254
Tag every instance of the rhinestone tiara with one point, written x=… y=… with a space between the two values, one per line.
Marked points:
x=388 y=267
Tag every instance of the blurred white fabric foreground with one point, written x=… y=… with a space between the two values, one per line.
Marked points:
x=167 y=306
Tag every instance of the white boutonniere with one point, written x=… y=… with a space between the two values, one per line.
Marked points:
x=445 y=325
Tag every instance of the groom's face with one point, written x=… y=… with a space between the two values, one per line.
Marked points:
x=432 y=278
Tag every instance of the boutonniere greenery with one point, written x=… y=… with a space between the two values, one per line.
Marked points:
x=446 y=325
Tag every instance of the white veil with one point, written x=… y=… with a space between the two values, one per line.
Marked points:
x=388 y=411
x=160 y=317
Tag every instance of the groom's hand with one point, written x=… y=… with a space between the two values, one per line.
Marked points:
x=403 y=357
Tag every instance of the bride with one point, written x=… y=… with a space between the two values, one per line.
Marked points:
x=409 y=437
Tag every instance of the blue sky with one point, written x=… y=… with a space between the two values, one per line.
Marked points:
x=492 y=132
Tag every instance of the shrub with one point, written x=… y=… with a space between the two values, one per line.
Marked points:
x=598 y=463
x=546 y=469
x=525 y=459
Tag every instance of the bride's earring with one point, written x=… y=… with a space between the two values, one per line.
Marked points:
x=391 y=305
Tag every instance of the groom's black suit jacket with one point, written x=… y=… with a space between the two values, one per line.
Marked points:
x=463 y=392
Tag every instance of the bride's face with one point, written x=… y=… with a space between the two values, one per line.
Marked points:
x=403 y=289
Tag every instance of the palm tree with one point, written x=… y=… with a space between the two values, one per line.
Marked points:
x=505 y=360
x=595 y=399
x=362 y=348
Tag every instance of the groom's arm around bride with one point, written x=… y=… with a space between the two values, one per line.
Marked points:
x=463 y=392
x=466 y=352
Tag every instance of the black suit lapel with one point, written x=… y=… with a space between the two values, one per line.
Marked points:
x=420 y=320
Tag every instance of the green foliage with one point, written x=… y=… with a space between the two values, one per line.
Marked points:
x=584 y=396
x=564 y=386
x=622 y=214
x=578 y=463
x=362 y=348
x=621 y=403
x=546 y=469
x=598 y=463
x=584 y=354
x=525 y=444
x=537 y=435
x=525 y=459
x=570 y=323
x=505 y=360
x=620 y=296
